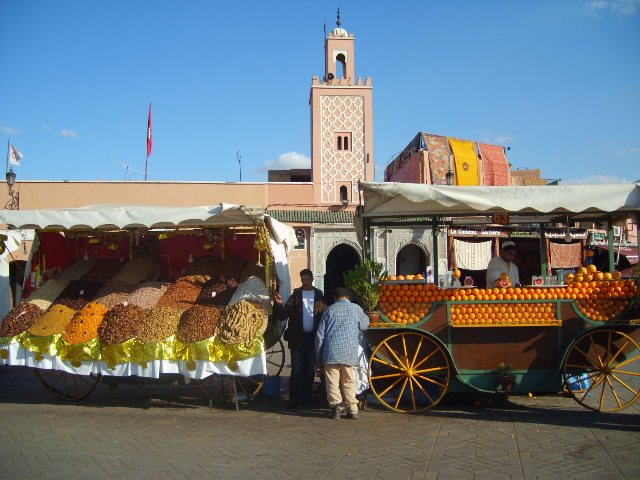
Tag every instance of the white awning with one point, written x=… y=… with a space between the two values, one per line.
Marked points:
x=106 y=217
x=398 y=200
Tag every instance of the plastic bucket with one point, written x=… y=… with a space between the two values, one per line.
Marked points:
x=271 y=386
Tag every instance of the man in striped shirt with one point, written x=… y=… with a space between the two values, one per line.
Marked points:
x=337 y=350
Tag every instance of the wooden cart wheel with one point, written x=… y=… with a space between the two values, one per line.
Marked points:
x=219 y=388
x=602 y=370
x=275 y=359
x=409 y=372
x=68 y=386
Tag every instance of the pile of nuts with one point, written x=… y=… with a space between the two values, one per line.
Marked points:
x=113 y=294
x=159 y=324
x=241 y=323
x=218 y=292
x=19 y=319
x=204 y=265
x=84 y=326
x=122 y=323
x=76 y=270
x=103 y=271
x=53 y=322
x=232 y=266
x=147 y=294
x=76 y=304
x=47 y=293
x=199 y=323
x=80 y=289
x=184 y=292
x=137 y=270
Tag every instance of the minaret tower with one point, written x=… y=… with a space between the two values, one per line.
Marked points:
x=341 y=123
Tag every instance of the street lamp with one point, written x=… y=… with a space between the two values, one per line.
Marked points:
x=14 y=197
x=450 y=177
x=11 y=177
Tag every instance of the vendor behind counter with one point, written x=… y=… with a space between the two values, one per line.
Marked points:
x=527 y=258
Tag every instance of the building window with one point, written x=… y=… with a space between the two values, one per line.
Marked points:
x=301 y=239
x=341 y=66
x=344 y=194
x=343 y=141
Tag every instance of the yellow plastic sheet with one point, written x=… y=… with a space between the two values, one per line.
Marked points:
x=466 y=161
x=42 y=345
x=80 y=352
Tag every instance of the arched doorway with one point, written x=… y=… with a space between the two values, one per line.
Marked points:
x=341 y=259
x=411 y=259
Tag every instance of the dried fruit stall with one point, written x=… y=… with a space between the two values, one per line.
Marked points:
x=147 y=291
x=581 y=337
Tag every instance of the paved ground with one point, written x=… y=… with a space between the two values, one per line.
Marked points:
x=154 y=432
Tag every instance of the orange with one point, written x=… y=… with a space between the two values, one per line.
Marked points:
x=592 y=268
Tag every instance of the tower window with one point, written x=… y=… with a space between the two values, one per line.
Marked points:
x=341 y=66
x=344 y=195
x=342 y=141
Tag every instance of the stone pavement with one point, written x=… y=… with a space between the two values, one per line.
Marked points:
x=168 y=432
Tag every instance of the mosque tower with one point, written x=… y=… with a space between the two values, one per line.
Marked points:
x=341 y=123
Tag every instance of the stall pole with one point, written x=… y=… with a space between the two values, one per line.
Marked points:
x=366 y=240
x=544 y=258
x=612 y=264
x=434 y=233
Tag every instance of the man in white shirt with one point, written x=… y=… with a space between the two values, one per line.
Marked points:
x=303 y=309
x=503 y=264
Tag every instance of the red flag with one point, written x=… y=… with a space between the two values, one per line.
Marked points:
x=149 y=133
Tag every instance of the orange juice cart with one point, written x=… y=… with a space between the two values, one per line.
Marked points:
x=580 y=337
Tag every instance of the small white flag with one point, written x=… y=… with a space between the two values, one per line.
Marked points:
x=15 y=155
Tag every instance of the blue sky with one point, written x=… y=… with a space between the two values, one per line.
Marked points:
x=556 y=81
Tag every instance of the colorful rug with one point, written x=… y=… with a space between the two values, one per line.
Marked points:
x=438 y=149
x=495 y=165
x=565 y=255
x=466 y=161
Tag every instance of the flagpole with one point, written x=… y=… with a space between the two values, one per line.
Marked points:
x=149 y=133
x=6 y=170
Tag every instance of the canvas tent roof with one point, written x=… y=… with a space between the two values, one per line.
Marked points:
x=101 y=217
x=398 y=200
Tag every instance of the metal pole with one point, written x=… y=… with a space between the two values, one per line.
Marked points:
x=612 y=264
x=544 y=259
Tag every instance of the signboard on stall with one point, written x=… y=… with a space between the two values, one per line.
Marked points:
x=499 y=232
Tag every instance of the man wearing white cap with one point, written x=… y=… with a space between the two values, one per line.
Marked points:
x=503 y=264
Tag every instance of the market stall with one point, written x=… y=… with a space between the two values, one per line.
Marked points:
x=142 y=291
x=581 y=335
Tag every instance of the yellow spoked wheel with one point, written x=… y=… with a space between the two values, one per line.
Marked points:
x=409 y=372
x=67 y=386
x=602 y=370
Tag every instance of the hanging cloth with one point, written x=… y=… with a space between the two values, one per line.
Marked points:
x=495 y=165
x=565 y=255
x=438 y=150
x=472 y=255
x=466 y=161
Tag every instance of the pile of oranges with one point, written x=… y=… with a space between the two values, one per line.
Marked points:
x=409 y=302
x=600 y=296
x=504 y=314
x=600 y=300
